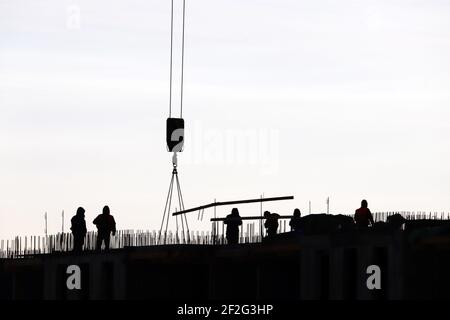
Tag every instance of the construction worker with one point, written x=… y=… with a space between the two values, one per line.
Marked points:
x=296 y=220
x=78 y=229
x=105 y=225
x=363 y=216
x=271 y=223
x=233 y=221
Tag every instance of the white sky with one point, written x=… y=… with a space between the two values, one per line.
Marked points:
x=347 y=99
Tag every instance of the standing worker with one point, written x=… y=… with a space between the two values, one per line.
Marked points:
x=233 y=221
x=296 y=220
x=78 y=230
x=105 y=225
x=363 y=216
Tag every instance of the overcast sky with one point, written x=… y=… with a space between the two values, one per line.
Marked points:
x=346 y=99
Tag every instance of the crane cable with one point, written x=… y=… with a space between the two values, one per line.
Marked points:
x=182 y=60
x=171 y=55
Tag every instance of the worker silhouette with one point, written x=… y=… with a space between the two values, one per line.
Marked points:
x=295 y=220
x=271 y=223
x=78 y=227
x=233 y=221
x=363 y=216
x=105 y=225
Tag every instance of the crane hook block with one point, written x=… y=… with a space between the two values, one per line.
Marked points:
x=175 y=134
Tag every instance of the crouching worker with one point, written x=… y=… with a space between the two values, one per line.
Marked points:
x=271 y=223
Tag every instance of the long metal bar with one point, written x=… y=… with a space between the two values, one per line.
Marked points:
x=251 y=218
x=256 y=218
x=227 y=203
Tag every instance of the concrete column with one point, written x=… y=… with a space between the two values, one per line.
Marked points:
x=337 y=274
x=14 y=286
x=258 y=281
x=119 y=278
x=396 y=256
x=300 y=283
x=95 y=276
x=365 y=258
x=309 y=283
x=211 y=282
x=50 y=279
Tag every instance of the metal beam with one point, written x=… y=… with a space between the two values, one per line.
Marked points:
x=250 y=218
x=228 y=203
x=257 y=218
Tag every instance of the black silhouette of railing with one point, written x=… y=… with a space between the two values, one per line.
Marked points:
x=63 y=242
x=250 y=232
x=412 y=215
